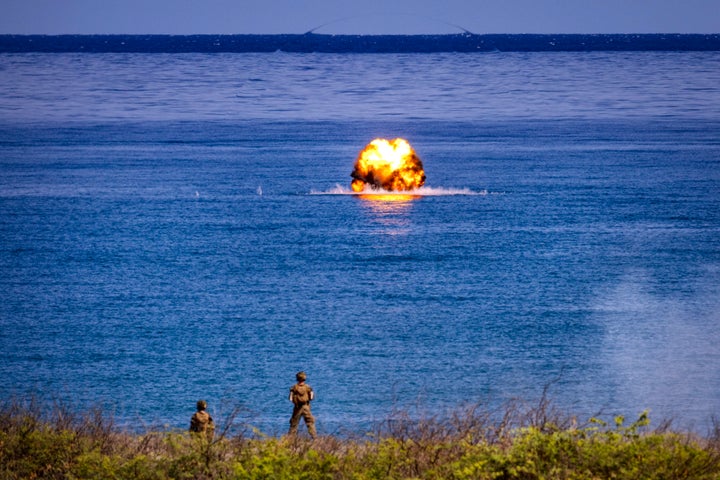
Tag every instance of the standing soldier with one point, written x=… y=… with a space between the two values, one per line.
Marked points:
x=301 y=395
x=201 y=421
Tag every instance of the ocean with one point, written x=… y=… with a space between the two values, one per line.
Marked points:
x=178 y=226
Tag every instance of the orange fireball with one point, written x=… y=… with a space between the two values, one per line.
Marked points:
x=390 y=165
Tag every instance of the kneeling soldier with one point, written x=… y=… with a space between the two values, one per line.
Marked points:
x=201 y=421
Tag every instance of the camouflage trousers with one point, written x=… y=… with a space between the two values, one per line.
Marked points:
x=302 y=411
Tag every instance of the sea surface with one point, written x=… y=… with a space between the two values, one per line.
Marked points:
x=180 y=226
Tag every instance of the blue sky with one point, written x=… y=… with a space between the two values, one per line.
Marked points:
x=360 y=16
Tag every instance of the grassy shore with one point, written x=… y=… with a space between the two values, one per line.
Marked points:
x=469 y=443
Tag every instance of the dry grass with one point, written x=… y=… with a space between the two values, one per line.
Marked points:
x=518 y=441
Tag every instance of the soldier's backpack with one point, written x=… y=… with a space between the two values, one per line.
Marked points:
x=301 y=394
x=201 y=422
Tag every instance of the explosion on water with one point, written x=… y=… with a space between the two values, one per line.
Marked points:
x=390 y=165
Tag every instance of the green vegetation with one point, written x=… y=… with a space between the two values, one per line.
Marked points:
x=470 y=443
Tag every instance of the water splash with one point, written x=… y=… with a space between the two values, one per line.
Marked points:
x=420 y=192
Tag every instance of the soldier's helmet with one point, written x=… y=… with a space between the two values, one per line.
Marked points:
x=300 y=376
x=201 y=405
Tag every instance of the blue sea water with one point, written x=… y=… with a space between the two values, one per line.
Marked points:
x=179 y=226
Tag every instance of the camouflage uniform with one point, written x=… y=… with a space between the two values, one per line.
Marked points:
x=301 y=395
x=201 y=421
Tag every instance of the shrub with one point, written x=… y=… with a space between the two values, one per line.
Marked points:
x=470 y=443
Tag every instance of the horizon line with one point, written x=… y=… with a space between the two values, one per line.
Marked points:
x=311 y=42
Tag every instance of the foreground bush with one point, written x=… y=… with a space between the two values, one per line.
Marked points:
x=471 y=443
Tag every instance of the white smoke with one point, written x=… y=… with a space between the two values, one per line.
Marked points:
x=661 y=350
